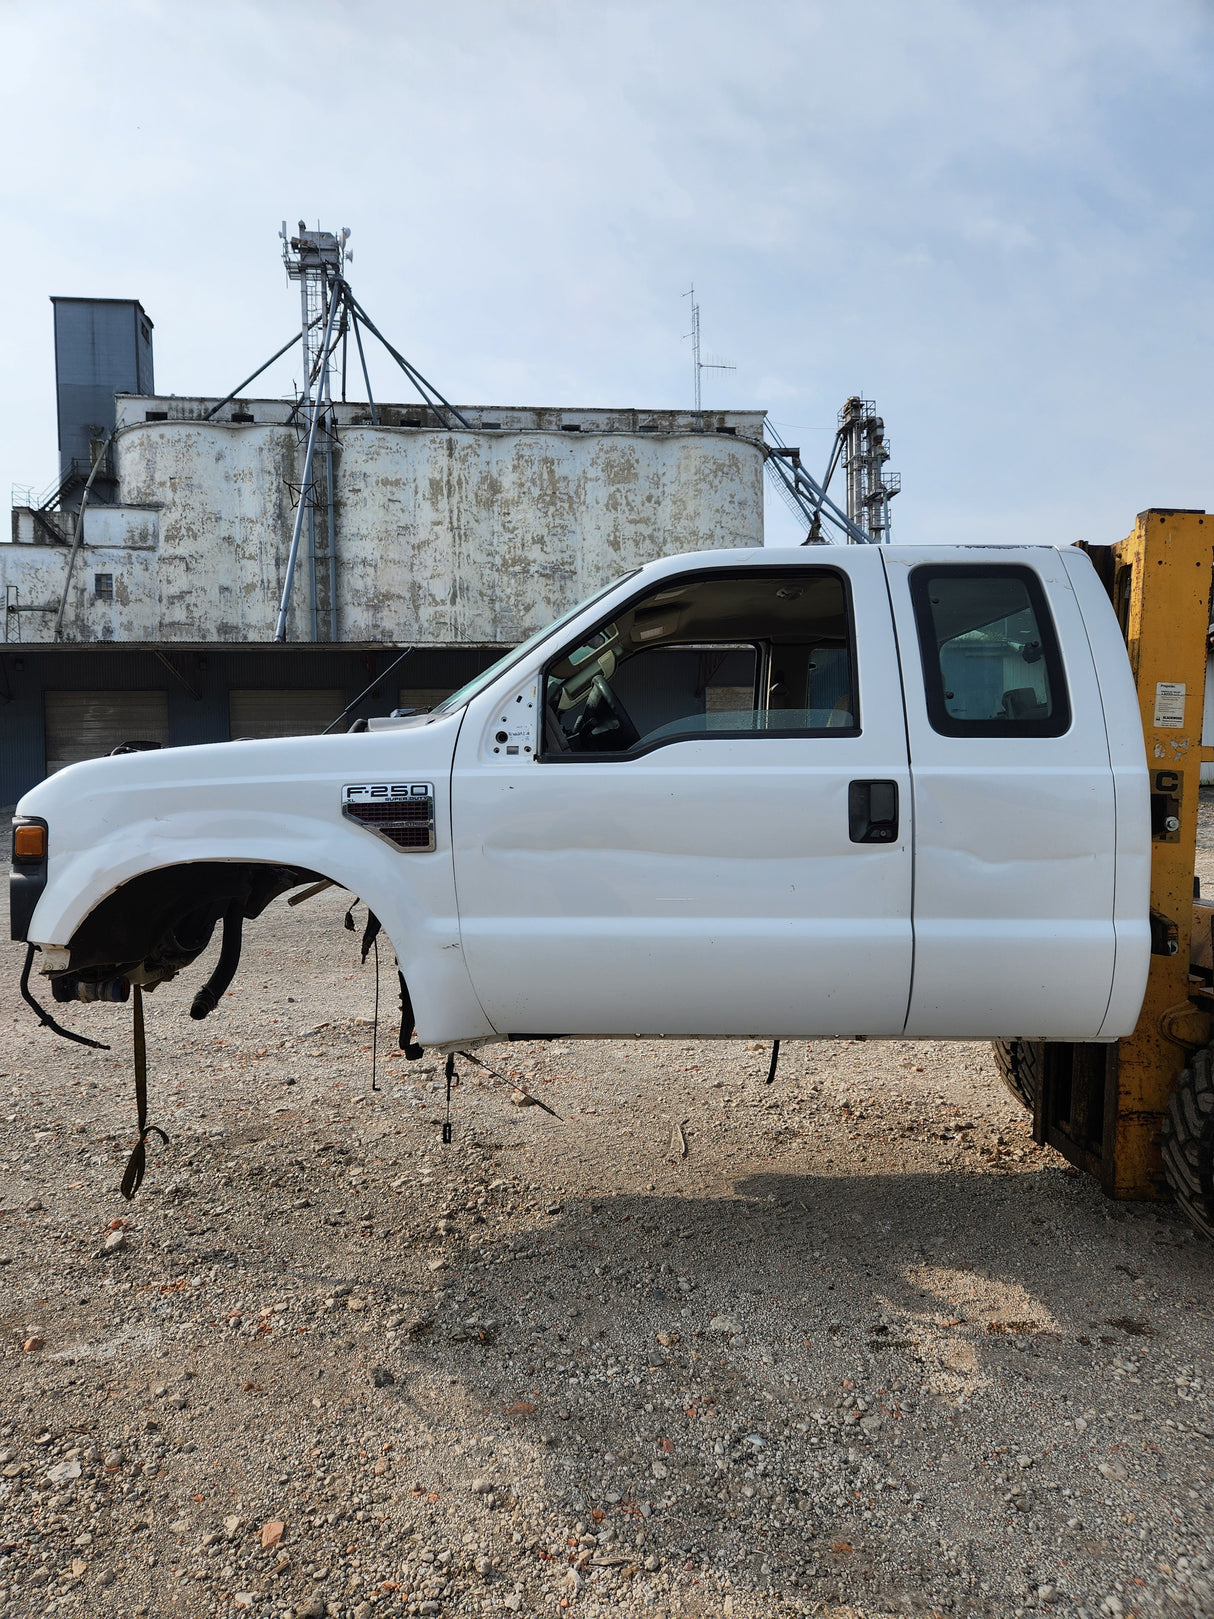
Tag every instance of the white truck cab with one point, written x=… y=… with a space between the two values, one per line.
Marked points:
x=875 y=791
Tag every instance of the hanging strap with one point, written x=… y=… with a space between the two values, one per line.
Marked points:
x=408 y=1041
x=370 y=933
x=132 y=1178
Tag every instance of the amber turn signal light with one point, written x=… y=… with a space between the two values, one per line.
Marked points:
x=29 y=843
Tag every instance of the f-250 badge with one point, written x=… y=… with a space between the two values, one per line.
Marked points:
x=402 y=813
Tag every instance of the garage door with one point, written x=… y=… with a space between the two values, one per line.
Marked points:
x=424 y=698
x=90 y=724
x=282 y=713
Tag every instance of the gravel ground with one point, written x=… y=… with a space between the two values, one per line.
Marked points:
x=850 y=1344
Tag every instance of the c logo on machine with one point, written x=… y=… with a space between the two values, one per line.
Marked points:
x=402 y=813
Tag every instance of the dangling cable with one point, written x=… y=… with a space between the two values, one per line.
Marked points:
x=447 y=1132
x=44 y=1017
x=775 y=1058
x=534 y=1100
x=375 y=1020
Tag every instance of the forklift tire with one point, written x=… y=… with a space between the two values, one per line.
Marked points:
x=1019 y=1064
x=1188 y=1142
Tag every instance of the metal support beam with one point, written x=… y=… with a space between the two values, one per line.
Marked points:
x=78 y=537
x=1161 y=584
x=331 y=509
x=427 y=390
x=177 y=674
x=280 y=628
x=314 y=606
x=358 y=338
x=236 y=392
x=1102 y=1106
x=807 y=497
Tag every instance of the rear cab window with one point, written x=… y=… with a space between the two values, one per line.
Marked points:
x=991 y=659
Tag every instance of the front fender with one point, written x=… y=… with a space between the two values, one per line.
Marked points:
x=277 y=803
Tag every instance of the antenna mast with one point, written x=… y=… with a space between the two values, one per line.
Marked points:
x=700 y=366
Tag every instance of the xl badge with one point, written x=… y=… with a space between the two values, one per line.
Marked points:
x=402 y=813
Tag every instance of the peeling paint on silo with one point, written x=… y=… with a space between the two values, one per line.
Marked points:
x=474 y=537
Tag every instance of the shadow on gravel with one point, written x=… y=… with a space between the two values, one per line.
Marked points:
x=804 y=1386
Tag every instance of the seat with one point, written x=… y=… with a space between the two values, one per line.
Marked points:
x=1023 y=703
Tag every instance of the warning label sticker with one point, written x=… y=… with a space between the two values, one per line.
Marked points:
x=1169 y=705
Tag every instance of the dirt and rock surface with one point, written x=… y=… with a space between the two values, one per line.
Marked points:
x=849 y=1344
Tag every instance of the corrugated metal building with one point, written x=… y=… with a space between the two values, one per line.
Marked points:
x=103 y=347
x=61 y=703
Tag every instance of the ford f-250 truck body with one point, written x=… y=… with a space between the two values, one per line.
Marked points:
x=859 y=791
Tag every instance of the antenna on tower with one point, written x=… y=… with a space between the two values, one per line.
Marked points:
x=699 y=366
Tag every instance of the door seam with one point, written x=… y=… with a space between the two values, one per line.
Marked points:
x=910 y=770
x=1104 y=1017
x=459 y=910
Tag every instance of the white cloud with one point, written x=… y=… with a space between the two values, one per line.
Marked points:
x=993 y=220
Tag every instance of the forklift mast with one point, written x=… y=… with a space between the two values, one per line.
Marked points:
x=1102 y=1105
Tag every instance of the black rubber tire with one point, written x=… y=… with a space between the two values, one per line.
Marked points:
x=1019 y=1064
x=1188 y=1142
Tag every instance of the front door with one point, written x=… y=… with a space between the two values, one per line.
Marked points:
x=704 y=827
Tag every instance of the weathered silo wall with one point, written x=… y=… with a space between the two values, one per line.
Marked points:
x=225 y=524
x=467 y=537
x=475 y=536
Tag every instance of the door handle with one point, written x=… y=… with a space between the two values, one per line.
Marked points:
x=872 y=811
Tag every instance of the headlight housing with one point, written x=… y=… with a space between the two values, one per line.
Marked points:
x=31 y=842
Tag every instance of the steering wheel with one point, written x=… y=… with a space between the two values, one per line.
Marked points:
x=604 y=726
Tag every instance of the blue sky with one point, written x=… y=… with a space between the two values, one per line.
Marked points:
x=993 y=219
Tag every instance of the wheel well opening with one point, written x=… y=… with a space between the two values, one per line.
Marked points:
x=160 y=921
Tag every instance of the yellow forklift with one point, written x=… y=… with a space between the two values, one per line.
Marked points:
x=1139 y=1113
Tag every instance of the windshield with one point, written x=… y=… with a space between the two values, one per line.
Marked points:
x=478 y=683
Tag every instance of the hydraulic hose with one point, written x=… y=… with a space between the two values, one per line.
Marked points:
x=207 y=998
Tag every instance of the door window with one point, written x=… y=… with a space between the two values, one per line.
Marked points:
x=477 y=684
x=991 y=662
x=741 y=653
